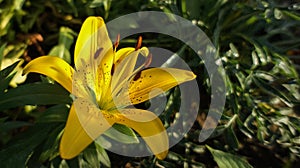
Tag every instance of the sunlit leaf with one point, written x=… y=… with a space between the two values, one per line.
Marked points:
x=231 y=138
x=5 y=72
x=2 y=47
x=63 y=164
x=6 y=76
x=62 y=52
x=90 y=155
x=122 y=133
x=102 y=155
x=225 y=160
x=268 y=88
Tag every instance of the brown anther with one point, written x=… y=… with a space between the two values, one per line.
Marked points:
x=137 y=76
x=98 y=52
x=112 y=70
x=116 y=44
x=139 y=43
x=148 y=60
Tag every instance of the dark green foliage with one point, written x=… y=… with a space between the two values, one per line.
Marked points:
x=258 y=44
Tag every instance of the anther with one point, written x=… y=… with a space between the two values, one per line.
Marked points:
x=116 y=44
x=112 y=70
x=97 y=53
x=137 y=76
x=139 y=43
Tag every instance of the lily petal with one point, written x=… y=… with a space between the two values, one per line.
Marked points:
x=124 y=66
x=122 y=53
x=94 y=54
x=82 y=127
x=53 y=67
x=149 y=83
x=92 y=35
x=125 y=52
x=149 y=126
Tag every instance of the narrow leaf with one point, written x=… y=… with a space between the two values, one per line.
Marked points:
x=34 y=94
x=90 y=155
x=4 y=83
x=2 y=47
x=225 y=160
x=9 y=125
x=5 y=72
x=18 y=152
x=231 y=138
x=122 y=133
x=102 y=155
x=58 y=113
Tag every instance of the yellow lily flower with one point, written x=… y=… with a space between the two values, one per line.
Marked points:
x=104 y=83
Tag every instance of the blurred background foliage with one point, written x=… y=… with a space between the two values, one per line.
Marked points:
x=257 y=42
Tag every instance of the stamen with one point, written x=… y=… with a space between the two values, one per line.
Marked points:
x=148 y=60
x=116 y=44
x=113 y=66
x=112 y=70
x=97 y=53
x=139 y=43
x=137 y=76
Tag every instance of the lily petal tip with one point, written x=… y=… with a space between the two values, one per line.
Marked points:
x=162 y=155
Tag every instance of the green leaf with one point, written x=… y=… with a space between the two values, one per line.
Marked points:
x=62 y=52
x=272 y=90
x=193 y=8
x=166 y=164
x=63 y=164
x=5 y=82
x=58 y=113
x=96 y=3
x=292 y=15
x=122 y=133
x=9 y=125
x=5 y=72
x=66 y=37
x=34 y=94
x=231 y=138
x=81 y=162
x=102 y=155
x=91 y=157
x=19 y=151
x=74 y=163
x=51 y=145
x=73 y=7
x=1 y=53
x=226 y=160
x=65 y=41
x=6 y=76
x=7 y=129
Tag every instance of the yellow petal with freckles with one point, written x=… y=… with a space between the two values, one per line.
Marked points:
x=104 y=73
x=122 y=53
x=125 y=52
x=91 y=29
x=94 y=54
x=149 y=83
x=85 y=123
x=53 y=67
x=149 y=127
